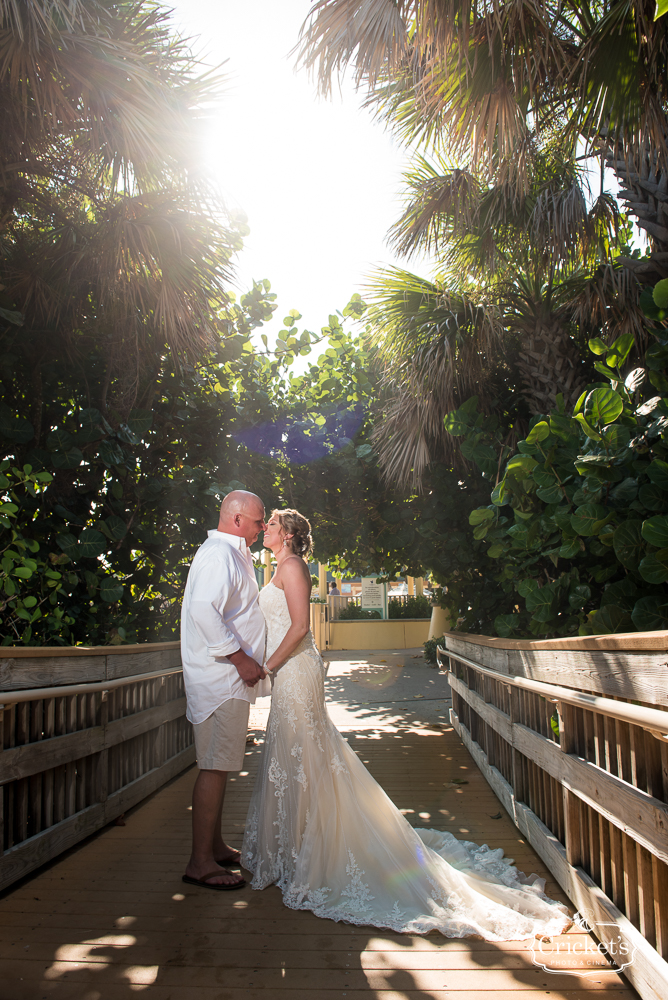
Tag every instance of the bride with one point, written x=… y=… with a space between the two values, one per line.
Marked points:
x=326 y=833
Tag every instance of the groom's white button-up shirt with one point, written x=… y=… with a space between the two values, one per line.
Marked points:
x=220 y=614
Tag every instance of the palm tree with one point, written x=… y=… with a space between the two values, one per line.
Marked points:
x=522 y=285
x=110 y=229
x=483 y=82
x=505 y=99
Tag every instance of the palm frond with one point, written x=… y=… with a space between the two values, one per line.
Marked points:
x=434 y=349
x=371 y=33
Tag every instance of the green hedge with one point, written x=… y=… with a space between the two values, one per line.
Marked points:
x=412 y=607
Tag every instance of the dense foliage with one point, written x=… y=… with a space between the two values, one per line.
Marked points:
x=575 y=539
x=412 y=607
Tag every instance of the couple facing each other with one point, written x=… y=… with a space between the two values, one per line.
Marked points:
x=318 y=825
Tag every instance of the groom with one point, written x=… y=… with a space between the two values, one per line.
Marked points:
x=222 y=647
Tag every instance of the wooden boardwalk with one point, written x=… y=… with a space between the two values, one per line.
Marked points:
x=111 y=919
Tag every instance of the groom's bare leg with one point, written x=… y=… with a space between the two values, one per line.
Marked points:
x=207 y=806
x=222 y=852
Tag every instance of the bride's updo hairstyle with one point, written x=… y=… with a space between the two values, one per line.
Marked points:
x=295 y=524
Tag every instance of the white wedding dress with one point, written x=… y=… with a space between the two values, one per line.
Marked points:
x=326 y=833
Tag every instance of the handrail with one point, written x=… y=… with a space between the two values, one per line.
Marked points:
x=64 y=690
x=638 y=715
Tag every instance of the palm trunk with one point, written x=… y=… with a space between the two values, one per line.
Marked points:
x=550 y=363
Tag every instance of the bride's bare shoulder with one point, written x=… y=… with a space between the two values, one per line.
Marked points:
x=293 y=569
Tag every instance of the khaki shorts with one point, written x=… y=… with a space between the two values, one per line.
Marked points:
x=220 y=741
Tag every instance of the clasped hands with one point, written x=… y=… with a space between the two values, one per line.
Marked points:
x=248 y=669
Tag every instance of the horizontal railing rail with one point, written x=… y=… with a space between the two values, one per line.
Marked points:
x=60 y=691
x=572 y=738
x=75 y=756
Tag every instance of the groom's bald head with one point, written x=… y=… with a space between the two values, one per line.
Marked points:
x=242 y=514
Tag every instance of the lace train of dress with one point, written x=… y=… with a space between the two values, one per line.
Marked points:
x=322 y=829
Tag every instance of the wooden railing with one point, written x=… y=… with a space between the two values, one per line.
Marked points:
x=572 y=736
x=86 y=734
x=320 y=625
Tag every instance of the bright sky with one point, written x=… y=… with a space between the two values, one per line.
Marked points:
x=319 y=180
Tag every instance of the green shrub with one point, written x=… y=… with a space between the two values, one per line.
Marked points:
x=430 y=648
x=578 y=525
x=412 y=607
x=354 y=613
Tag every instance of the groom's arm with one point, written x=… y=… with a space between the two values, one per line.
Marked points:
x=248 y=669
x=220 y=641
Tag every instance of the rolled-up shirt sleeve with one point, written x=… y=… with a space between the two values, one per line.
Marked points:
x=220 y=640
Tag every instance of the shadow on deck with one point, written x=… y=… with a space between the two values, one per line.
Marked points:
x=111 y=919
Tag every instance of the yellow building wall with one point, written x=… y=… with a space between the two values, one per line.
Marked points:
x=394 y=634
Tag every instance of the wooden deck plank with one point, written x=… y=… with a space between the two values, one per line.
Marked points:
x=112 y=917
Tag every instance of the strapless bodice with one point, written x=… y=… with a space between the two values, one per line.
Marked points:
x=274 y=606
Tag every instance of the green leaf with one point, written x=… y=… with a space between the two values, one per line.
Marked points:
x=505 y=625
x=580 y=403
x=597 y=467
x=586 y=519
x=527 y=587
x=480 y=515
x=623 y=593
x=59 y=440
x=552 y=494
x=15 y=429
x=541 y=603
x=496 y=550
x=68 y=544
x=23 y=571
x=655 y=531
x=650 y=614
x=603 y=406
x=656 y=357
x=659 y=382
x=111 y=590
x=652 y=569
x=620 y=351
x=364 y=451
x=455 y=425
x=596 y=346
x=658 y=473
x=587 y=428
x=116 y=527
x=538 y=432
x=625 y=493
x=570 y=549
x=578 y=596
x=498 y=494
x=111 y=453
x=70 y=459
x=91 y=543
x=628 y=543
x=653 y=497
x=521 y=465
x=612 y=619
x=660 y=290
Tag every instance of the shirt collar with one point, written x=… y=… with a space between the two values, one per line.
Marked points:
x=238 y=541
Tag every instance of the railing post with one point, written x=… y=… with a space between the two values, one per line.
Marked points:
x=159 y=754
x=572 y=805
x=2 y=797
x=102 y=777
x=516 y=756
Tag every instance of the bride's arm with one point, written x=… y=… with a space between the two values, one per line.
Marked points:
x=297 y=588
